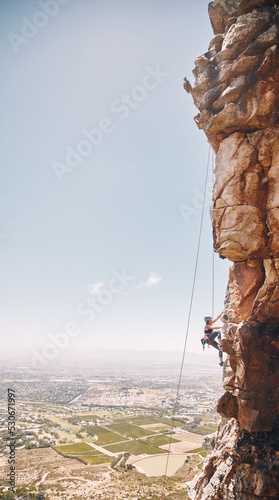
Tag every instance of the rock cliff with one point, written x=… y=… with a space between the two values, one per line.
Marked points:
x=236 y=91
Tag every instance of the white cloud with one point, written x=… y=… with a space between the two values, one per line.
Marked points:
x=152 y=280
x=95 y=288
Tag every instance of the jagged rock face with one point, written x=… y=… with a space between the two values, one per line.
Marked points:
x=236 y=90
x=246 y=196
x=241 y=466
x=251 y=376
x=220 y=11
x=237 y=80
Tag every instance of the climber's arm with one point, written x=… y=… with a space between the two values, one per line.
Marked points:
x=216 y=319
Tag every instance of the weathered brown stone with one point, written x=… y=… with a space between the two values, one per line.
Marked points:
x=272 y=177
x=216 y=41
x=241 y=466
x=245 y=6
x=236 y=90
x=248 y=417
x=227 y=405
x=228 y=346
x=239 y=232
x=206 y=100
x=247 y=28
x=248 y=96
x=266 y=305
x=245 y=279
x=264 y=40
x=272 y=221
x=219 y=13
x=236 y=157
x=232 y=92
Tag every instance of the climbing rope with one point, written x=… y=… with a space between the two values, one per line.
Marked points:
x=190 y=309
x=213 y=285
x=213 y=257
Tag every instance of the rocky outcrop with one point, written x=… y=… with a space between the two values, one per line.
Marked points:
x=236 y=91
x=236 y=87
x=241 y=466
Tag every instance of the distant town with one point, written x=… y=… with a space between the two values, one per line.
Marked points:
x=105 y=426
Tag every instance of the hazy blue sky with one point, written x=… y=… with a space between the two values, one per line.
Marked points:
x=99 y=152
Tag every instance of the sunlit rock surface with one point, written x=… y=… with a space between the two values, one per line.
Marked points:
x=236 y=91
x=241 y=466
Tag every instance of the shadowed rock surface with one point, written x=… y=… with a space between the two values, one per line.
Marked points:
x=236 y=91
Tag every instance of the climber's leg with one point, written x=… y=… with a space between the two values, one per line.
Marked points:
x=221 y=362
x=219 y=348
x=215 y=345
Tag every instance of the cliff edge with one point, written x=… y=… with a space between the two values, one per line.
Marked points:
x=236 y=91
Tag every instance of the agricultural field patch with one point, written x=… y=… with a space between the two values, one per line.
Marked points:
x=205 y=429
x=135 y=447
x=88 y=417
x=159 y=427
x=104 y=436
x=200 y=451
x=118 y=420
x=160 y=440
x=196 y=450
x=130 y=430
x=74 y=448
x=97 y=458
x=168 y=421
x=84 y=452
x=140 y=420
x=190 y=437
x=203 y=453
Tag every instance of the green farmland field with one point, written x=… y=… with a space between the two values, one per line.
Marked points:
x=104 y=436
x=134 y=447
x=75 y=448
x=160 y=440
x=98 y=458
x=130 y=430
x=161 y=428
x=88 y=417
x=204 y=429
x=140 y=420
x=85 y=452
x=168 y=421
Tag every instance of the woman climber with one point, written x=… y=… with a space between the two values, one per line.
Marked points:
x=210 y=334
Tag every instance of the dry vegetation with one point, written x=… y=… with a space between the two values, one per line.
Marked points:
x=65 y=478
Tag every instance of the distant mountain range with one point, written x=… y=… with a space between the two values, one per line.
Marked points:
x=127 y=357
x=130 y=356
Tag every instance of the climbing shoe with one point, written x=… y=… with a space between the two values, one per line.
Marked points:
x=221 y=364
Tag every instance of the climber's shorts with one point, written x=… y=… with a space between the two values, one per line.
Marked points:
x=212 y=337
